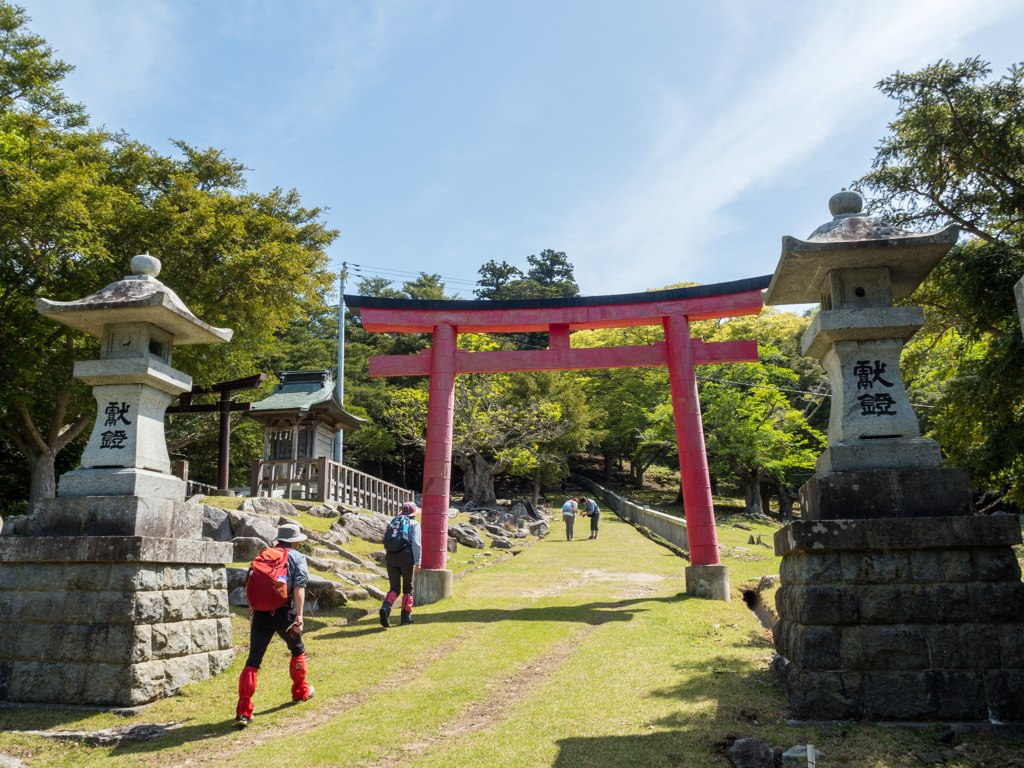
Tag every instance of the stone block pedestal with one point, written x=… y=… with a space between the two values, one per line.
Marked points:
x=110 y=621
x=901 y=619
x=432 y=586
x=709 y=581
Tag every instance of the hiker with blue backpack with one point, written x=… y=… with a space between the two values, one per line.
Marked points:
x=276 y=590
x=403 y=542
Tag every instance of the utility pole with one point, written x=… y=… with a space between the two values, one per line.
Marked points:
x=340 y=383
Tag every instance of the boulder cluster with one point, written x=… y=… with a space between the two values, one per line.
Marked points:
x=502 y=522
x=253 y=528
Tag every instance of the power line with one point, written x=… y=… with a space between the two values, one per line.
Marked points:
x=406 y=273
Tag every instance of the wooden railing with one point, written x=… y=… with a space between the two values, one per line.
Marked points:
x=325 y=480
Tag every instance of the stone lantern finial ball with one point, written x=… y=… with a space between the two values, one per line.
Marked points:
x=146 y=265
x=846 y=201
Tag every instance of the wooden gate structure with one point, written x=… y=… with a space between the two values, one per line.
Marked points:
x=673 y=309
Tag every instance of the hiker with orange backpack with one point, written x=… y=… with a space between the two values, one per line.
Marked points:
x=404 y=547
x=276 y=590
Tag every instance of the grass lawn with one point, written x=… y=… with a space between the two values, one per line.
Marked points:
x=571 y=654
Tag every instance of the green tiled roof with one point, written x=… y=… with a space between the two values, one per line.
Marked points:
x=300 y=391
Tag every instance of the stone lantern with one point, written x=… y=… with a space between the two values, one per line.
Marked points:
x=876 y=463
x=115 y=600
x=897 y=601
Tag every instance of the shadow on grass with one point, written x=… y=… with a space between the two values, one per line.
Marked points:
x=587 y=613
x=741 y=695
x=664 y=748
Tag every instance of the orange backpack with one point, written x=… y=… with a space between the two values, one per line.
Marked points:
x=266 y=585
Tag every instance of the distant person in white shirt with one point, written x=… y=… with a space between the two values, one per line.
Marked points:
x=569 y=516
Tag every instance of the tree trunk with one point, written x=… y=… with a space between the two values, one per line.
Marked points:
x=536 y=485
x=44 y=476
x=609 y=462
x=786 y=499
x=766 y=495
x=478 y=478
x=751 y=493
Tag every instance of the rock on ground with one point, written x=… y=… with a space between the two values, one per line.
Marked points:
x=358 y=594
x=379 y=556
x=8 y=761
x=247 y=547
x=128 y=734
x=374 y=592
x=500 y=542
x=477 y=520
x=466 y=534
x=263 y=505
x=540 y=528
x=16 y=525
x=323 y=510
x=237 y=597
x=236 y=578
x=216 y=524
x=320 y=564
x=338 y=535
x=328 y=594
x=495 y=530
x=752 y=753
x=257 y=528
x=453 y=544
x=366 y=527
x=452 y=513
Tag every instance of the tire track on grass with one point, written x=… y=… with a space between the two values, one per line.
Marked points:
x=332 y=707
x=495 y=709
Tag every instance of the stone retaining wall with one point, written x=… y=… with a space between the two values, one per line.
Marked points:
x=902 y=619
x=110 y=634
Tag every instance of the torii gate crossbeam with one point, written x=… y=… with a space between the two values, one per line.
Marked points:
x=673 y=309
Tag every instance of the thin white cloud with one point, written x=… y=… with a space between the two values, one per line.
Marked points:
x=121 y=50
x=699 y=164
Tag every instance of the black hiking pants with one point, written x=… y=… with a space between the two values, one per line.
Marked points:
x=400 y=569
x=264 y=625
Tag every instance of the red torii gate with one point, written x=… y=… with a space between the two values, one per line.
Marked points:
x=673 y=309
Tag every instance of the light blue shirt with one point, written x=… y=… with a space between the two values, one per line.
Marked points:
x=569 y=509
x=298 y=571
x=417 y=540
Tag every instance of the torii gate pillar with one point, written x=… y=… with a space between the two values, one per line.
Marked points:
x=434 y=581
x=707 y=576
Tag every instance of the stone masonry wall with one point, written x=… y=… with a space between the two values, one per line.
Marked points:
x=68 y=629
x=902 y=633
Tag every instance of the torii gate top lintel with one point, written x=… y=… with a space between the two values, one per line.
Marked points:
x=673 y=309
x=698 y=302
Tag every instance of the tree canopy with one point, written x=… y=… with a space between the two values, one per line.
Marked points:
x=955 y=154
x=76 y=204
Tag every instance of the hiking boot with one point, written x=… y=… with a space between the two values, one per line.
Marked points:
x=385 y=615
x=312 y=692
x=406 y=618
x=243 y=720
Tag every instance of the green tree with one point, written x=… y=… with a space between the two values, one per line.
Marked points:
x=955 y=154
x=76 y=205
x=753 y=431
x=494 y=431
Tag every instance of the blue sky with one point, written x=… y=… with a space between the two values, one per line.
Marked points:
x=653 y=142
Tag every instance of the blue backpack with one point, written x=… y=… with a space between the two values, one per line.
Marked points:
x=398 y=536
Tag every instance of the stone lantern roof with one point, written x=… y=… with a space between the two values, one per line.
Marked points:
x=855 y=240
x=138 y=298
